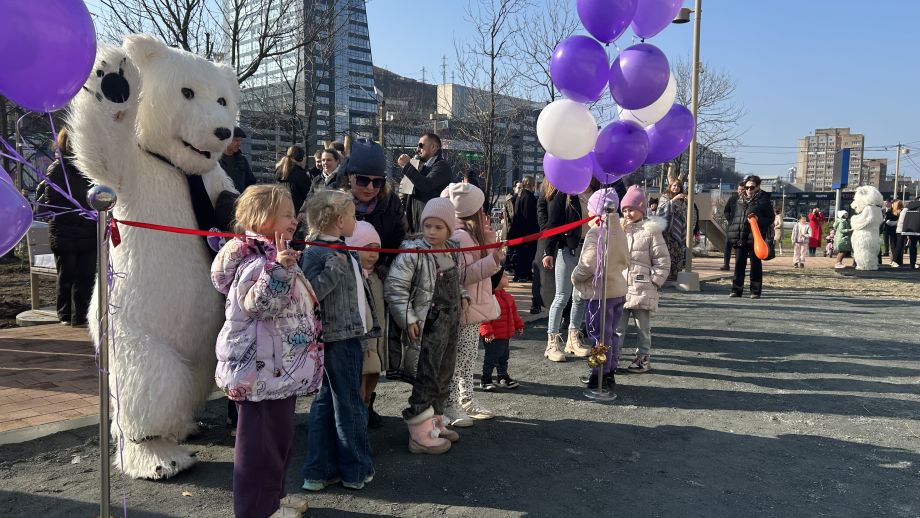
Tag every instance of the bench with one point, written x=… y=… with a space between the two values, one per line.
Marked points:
x=41 y=259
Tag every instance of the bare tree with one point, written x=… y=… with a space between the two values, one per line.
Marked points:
x=212 y=27
x=718 y=115
x=534 y=43
x=485 y=65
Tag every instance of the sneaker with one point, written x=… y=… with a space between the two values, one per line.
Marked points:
x=724 y=268
x=507 y=383
x=609 y=381
x=734 y=294
x=487 y=386
x=477 y=411
x=534 y=310
x=755 y=295
x=894 y=264
x=458 y=417
x=296 y=501
x=640 y=364
x=839 y=266
x=319 y=485
x=358 y=485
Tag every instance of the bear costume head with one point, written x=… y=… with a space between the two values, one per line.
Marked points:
x=866 y=196
x=187 y=104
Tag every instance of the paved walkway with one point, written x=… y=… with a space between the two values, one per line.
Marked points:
x=48 y=374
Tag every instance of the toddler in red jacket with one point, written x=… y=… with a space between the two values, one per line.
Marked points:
x=496 y=336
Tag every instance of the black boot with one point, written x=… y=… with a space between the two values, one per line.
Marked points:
x=591 y=380
x=373 y=418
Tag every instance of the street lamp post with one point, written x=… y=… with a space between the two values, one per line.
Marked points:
x=688 y=279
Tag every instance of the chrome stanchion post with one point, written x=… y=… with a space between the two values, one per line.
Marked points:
x=102 y=199
x=601 y=393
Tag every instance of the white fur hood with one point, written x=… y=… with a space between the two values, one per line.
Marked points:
x=654 y=225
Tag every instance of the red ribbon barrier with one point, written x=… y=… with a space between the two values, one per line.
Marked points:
x=116 y=238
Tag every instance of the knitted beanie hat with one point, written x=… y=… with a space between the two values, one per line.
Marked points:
x=366 y=158
x=442 y=209
x=601 y=199
x=365 y=234
x=466 y=198
x=635 y=198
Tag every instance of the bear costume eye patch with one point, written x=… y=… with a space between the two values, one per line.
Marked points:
x=221 y=101
x=188 y=93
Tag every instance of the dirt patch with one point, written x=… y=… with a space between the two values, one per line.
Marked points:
x=827 y=280
x=15 y=294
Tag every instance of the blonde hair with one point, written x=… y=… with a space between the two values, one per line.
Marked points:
x=258 y=205
x=473 y=225
x=284 y=166
x=323 y=207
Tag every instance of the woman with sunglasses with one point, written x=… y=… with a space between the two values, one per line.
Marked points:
x=752 y=202
x=365 y=170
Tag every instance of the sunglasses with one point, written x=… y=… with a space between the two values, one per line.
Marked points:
x=363 y=181
x=420 y=145
x=750 y=187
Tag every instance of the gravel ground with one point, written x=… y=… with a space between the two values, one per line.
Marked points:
x=804 y=403
x=14 y=291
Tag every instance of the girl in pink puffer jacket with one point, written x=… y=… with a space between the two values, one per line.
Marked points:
x=649 y=264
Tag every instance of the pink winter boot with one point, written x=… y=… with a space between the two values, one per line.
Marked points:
x=444 y=431
x=424 y=434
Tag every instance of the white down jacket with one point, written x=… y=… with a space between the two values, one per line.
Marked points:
x=649 y=262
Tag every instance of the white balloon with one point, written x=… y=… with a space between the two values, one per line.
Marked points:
x=567 y=129
x=655 y=111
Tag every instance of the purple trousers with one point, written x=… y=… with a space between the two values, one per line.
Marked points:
x=607 y=335
x=264 y=442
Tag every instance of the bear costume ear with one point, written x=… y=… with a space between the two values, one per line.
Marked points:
x=228 y=71
x=142 y=48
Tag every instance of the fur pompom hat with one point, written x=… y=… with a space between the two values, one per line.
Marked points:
x=635 y=198
x=601 y=198
x=842 y=214
x=442 y=209
x=466 y=198
x=365 y=234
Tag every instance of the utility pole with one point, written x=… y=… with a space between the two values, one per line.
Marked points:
x=423 y=74
x=897 y=171
x=444 y=69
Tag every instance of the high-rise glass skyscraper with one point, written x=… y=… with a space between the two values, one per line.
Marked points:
x=322 y=92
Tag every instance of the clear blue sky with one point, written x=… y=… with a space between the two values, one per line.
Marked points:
x=799 y=65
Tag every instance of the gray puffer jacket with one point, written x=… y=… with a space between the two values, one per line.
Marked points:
x=410 y=284
x=649 y=262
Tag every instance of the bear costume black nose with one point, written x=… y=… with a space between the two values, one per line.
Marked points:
x=222 y=133
x=115 y=88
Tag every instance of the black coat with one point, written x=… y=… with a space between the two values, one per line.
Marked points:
x=335 y=180
x=729 y=210
x=69 y=232
x=299 y=182
x=389 y=221
x=739 y=231
x=427 y=183
x=237 y=168
x=524 y=217
x=562 y=209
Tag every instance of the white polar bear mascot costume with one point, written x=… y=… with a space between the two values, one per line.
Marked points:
x=867 y=203
x=151 y=123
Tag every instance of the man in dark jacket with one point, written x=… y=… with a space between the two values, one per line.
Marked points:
x=72 y=238
x=729 y=211
x=235 y=164
x=524 y=222
x=423 y=177
x=757 y=203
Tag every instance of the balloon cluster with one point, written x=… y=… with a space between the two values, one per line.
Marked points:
x=49 y=50
x=651 y=129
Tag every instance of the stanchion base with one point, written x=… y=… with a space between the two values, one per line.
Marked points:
x=600 y=394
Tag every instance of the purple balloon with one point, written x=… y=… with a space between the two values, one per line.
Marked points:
x=652 y=16
x=621 y=148
x=50 y=46
x=16 y=215
x=5 y=177
x=606 y=20
x=579 y=68
x=569 y=176
x=670 y=136
x=638 y=76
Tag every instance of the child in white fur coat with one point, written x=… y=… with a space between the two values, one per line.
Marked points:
x=649 y=263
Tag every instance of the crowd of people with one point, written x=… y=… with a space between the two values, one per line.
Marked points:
x=322 y=321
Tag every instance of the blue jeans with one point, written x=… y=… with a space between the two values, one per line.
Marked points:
x=337 y=441
x=565 y=263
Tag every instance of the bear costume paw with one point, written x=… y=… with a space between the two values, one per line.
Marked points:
x=154 y=459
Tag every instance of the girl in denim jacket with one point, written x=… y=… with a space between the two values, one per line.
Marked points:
x=338 y=446
x=268 y=351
